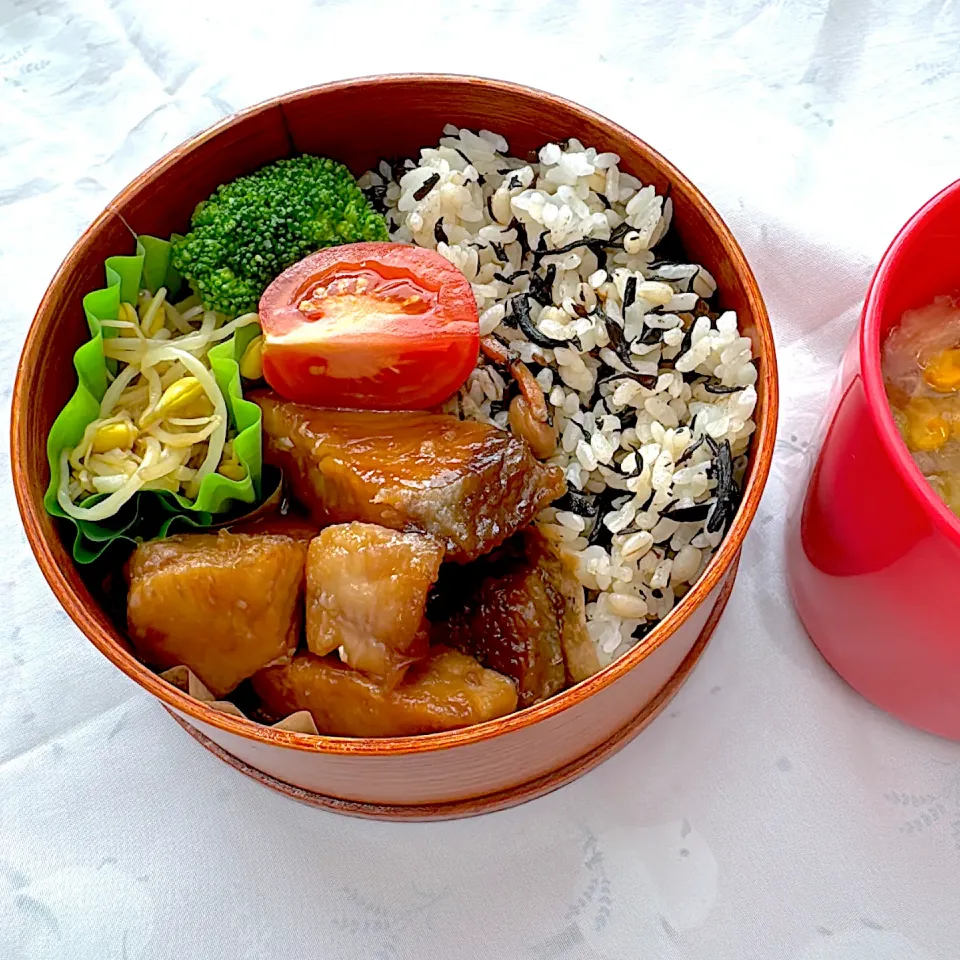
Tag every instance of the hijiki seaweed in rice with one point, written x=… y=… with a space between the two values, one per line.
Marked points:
x=651 y=391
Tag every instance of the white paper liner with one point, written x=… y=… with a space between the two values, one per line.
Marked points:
x=183 y=678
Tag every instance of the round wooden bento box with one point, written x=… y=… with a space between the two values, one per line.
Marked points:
x=481 y=768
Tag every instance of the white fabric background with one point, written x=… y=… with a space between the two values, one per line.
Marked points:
x=769 y=813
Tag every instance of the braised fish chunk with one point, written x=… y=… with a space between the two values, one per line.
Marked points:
x=366 y=593
x=467 y=484
x=223 y=604
x=445 y=691
x=558 y=572
x=508 y=622
x=520 y=612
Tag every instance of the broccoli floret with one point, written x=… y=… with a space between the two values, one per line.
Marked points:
x=250 y=230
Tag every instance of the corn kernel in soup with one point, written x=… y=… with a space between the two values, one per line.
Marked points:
x=921 y=372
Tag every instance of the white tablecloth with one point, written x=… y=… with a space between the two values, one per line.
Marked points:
x=769 y=813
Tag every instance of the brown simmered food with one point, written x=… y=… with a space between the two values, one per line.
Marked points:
x=224 y=604
x=366 y=593
x=566 y=595
x=445 y=691
x=467 y=484
x=519 y=612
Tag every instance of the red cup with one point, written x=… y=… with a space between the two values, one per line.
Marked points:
x=873 y=558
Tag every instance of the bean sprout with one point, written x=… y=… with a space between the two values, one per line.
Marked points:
x=152 y=434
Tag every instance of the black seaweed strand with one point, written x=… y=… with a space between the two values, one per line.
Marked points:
x=581 y=504
x=521 y=314
x=427 y=186
x=715 y=386
x=377 y=196
x=695 y=513
x=690 y=451
x=541 y=287
x=647 y=380
x=601 y=535
x=511 y=278
x=642 y=629
x=619 y=342
x=522 y=237
x=727 y=492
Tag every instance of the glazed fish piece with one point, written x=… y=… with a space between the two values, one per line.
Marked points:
x=558 y=573
x=520 y=612
x=469 y=485
x=366 y=593
x=444 y=691
x=224 y=604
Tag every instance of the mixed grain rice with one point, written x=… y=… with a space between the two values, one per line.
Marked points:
x=652 y=393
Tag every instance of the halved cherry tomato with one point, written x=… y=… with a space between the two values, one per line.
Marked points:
x=376 y=326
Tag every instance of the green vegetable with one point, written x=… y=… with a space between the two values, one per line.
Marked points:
x=150 y=513
x=254 y=227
